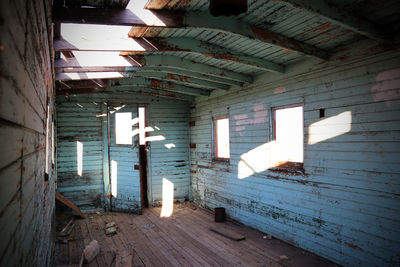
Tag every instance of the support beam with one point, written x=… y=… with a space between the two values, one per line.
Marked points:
x=128 y=91
x=190 y=45
x=150 y=91
x=175 y=78
x=230 y=25
x=191 y=74
x=124 y=63
x=83 y=59
x=200 y=20
x=180 y=63
x=340 y=17
x=96 y=83
x=187 y=45
x=157 y=84
x=138 y=82
x=165 y=69
x=181 y=79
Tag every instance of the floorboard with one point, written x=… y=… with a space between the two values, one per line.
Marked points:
x=183 y=239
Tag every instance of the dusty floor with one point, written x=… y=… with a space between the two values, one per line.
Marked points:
x=183 y=239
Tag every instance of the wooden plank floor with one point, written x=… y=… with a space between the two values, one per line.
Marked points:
x=183 y=239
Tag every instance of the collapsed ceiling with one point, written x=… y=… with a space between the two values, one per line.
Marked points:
x=177 y=49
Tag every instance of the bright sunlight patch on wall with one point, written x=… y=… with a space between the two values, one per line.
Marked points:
x=329 y=128
x=114 y=178
x=167 y=198
x=79 y=157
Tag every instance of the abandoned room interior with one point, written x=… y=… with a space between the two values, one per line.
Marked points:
x=200 y=133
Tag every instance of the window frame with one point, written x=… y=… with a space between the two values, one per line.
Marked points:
x=215 y=139
x=290 y=166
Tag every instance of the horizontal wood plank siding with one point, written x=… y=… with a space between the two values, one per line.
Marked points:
x=79 y=118
x=170 y=157
x=347 y=205
x=26 y=84
x=80 y=121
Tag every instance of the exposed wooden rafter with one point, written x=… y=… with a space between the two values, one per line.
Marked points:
x=187 y=45
x=162 y=85
x=128 y=92
x=164 y=69
x=175 y=19
x=90 y=86
x=339 y=17
x=166 y=76
x=125 y=63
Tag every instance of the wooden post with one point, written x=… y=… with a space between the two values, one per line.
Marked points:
x=106 y=162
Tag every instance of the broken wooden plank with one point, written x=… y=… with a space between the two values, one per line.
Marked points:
x=227 y=233
x=68 y=203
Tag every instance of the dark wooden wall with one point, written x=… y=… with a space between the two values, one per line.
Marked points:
x=26 y=82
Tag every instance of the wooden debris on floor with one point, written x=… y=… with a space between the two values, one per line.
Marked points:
x=183 y=239
x=222 y=230
x=67 y=229
x=111 y=228
x=68 y=203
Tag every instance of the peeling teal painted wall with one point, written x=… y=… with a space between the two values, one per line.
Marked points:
x=80 y=118
x=347 y=206
x=79 y=124
x=26 y=89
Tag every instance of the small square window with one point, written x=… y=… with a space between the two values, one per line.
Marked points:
x=221 y=138
x=288 y=136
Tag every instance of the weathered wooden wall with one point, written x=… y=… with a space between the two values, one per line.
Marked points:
x=347 y=205
x=26 y=85
x=80 y=118
x=80 y=121
x=169 y=158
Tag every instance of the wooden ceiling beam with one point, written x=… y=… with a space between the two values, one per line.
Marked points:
x=139 y=81
x=176 y=19
x=75 y=84
x=191 y=45
x=184 y=64
x=125 y=63
x=127 y=91
x=163 y=85
x=165 y=69
x=171 y=77
x=189 y=73
x=341 y=17
x=181 y=79
x=187 y=45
